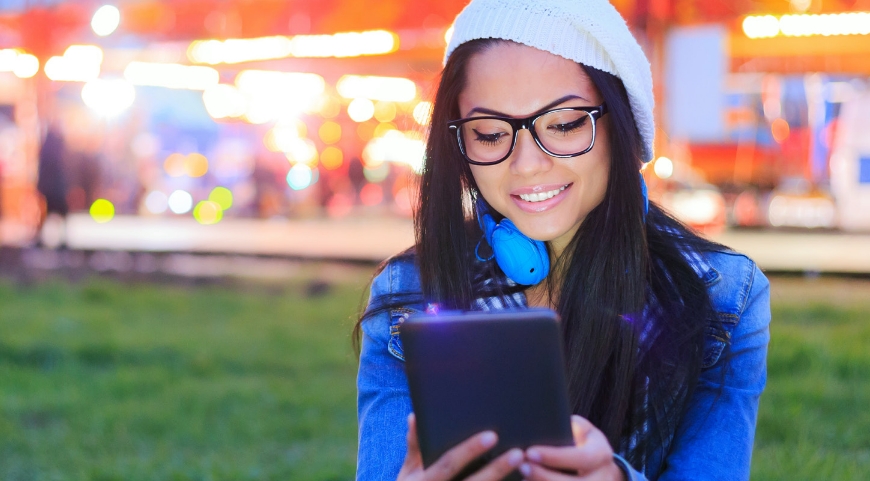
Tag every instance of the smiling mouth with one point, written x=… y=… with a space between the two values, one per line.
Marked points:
x=542 y=196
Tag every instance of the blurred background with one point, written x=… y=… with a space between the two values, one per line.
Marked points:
x=193 y=194
x=135 y=126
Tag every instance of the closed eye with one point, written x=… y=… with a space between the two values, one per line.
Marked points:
x=568 y=127
x=489 y=139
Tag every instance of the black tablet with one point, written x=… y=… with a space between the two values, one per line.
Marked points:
x=499 y=370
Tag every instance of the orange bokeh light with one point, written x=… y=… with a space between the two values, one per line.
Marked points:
x=780 y=130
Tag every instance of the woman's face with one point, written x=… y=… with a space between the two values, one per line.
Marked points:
x=518 y=81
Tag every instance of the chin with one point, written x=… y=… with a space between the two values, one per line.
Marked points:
x=543 y=234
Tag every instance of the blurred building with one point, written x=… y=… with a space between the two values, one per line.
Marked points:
x=274 y=108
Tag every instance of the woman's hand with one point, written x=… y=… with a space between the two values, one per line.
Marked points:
x=591 y=458
x=455 y=460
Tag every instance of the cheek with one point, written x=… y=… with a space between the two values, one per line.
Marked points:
x=483 y=176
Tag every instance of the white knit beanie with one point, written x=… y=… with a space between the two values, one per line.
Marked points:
x=590 y=32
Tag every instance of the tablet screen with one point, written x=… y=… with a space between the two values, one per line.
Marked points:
x=499 y=370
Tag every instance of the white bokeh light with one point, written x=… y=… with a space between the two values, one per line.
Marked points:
x=156 y=202
x=108 y=97
x=106 y=20
x=663 y=167
x=361 y=110
x=180 y=202
x=26 y=66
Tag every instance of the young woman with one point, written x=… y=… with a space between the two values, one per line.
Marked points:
x=541 y=122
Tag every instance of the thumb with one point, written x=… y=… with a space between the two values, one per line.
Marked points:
x=413 y=458
x=581 y=428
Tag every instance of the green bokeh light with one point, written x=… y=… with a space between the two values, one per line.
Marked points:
x=222 y=196
x=208 y=212
x=102 y=211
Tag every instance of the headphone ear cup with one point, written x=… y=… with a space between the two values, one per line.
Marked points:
x=524 y=260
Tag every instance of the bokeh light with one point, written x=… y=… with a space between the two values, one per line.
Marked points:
x=300 y=150
x=180 y=202
x=208 y=212
x=372 y=87
x=156 y=202
x=8 y=56
x=384 y=128
x=26 y=66
x=360 y=110
x=106 y=20
x=102 y=211
x=108 y=97
x=763 y=26
x=331 y=158
x=342 y=44
x=371 y=194
x=330 y=132
x=663 y=167
x=422 y=113
x=385 y=111
x=79 y=63
x=223 y=101
x=280 y=138
x=330 y=108
x=222 y=197
x=780 y=130
x=172 y=75
x=376 y=173
x=448 y=34
x=395 y=146
x=195 y=165
x=299 y=177
x=174 y=165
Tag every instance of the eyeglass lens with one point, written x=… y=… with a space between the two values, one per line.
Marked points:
x=564 y=132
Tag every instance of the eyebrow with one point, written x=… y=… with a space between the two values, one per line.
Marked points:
x=562 y=100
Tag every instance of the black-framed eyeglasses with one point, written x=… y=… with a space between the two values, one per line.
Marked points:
x=563 y=133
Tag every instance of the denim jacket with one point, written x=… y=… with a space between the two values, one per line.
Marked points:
x=714 y=439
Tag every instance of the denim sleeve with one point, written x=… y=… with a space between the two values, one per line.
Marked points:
x=715 y=438
x=383 y=402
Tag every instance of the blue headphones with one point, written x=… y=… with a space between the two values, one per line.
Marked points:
x=524 y=260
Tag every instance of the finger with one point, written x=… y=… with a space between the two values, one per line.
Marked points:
x=581 y=460
x=535 y=472
x=454 y=460
x=581 y=427
x=499 y=467
x=594 y=453
x=413 y=459
x=413 y=443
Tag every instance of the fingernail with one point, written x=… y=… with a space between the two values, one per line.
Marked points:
x=515 y=457
x=534 y=455
x=576 y=418
x=526 y=469
x=488 y=439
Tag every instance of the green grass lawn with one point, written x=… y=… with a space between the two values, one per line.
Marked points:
x=814 y=420
x=106 y=380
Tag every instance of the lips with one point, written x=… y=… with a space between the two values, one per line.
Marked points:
x=539 y=198
x=542 y=196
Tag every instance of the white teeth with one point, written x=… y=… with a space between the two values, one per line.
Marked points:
x=539 y=196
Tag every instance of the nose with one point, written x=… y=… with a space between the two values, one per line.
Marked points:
x=527 y=158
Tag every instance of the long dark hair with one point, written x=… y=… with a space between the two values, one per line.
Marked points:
x=634 y=311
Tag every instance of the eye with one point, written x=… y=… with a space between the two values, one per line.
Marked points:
x=568 y=127
x=489 y=139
